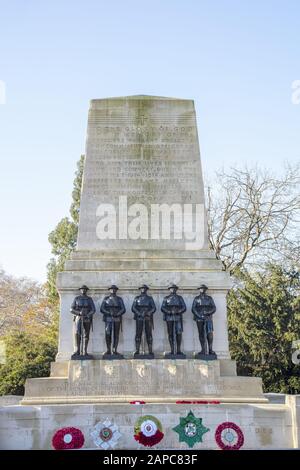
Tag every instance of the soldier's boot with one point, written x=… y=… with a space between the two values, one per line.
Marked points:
x=115 y=346
x=210 y=337
x=78 y=341
x=137 y=346
x=85 y=345
x=108 y=344
x=150 y=348
x=178 y=341
x=172 y=345
x=149 y=340
x=203 y=345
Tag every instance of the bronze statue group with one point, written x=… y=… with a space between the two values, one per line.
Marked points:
x=143 y=308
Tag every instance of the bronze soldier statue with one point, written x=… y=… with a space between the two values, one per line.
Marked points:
x=83 y=309
x=203 y=309
x=143 y=308
x=173 y=307
x=112 y=308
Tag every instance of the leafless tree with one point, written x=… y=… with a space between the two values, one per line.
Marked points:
x=22 y=301
x=253 y=216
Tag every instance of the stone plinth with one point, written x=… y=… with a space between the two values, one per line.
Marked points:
x=128 y=269
x=97 y=346
x=154 y=381
x=144 y=149
x=263 y=426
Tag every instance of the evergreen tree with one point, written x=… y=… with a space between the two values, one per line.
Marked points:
x=263 y=320
x=27 y=355
x=63 y=237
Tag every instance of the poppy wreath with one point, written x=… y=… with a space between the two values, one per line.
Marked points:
x=148 y=431
x=68 y=438
x=229 y=436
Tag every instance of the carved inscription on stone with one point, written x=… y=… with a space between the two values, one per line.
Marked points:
x=144 y=149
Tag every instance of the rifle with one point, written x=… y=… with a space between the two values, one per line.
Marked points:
x=174 y=331
x=200 y=313
x=174 y=313
x=82 y=330
x=114 y=310
x=83 y=313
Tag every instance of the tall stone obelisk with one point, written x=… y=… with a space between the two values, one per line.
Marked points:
x=143 y=165
x=145 y=149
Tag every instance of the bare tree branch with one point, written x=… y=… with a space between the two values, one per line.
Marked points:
x=253 y=214
x=22 y=302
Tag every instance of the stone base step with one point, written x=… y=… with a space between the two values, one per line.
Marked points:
x=155 y=380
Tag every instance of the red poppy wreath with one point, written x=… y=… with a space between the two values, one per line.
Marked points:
x=229 y=436
x=148 y=431
x=68 y=438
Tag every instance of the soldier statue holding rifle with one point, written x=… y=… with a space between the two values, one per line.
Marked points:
x=112 y=308
x=143 y=308
x=173 y=307
x=203 y=309
x=83 y=309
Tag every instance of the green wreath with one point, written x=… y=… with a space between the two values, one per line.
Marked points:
x=190 y=429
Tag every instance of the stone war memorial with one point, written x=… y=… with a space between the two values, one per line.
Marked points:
x=143 y=356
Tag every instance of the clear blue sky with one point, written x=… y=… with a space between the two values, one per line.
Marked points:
x=236 y=59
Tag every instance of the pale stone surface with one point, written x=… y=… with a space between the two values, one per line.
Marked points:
x=59 y=369
x=293 y=401
x=8 y=400
x=149 y=380
x=97 y=344
x=264 y=426
x=145 y=148
x=277 y=398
